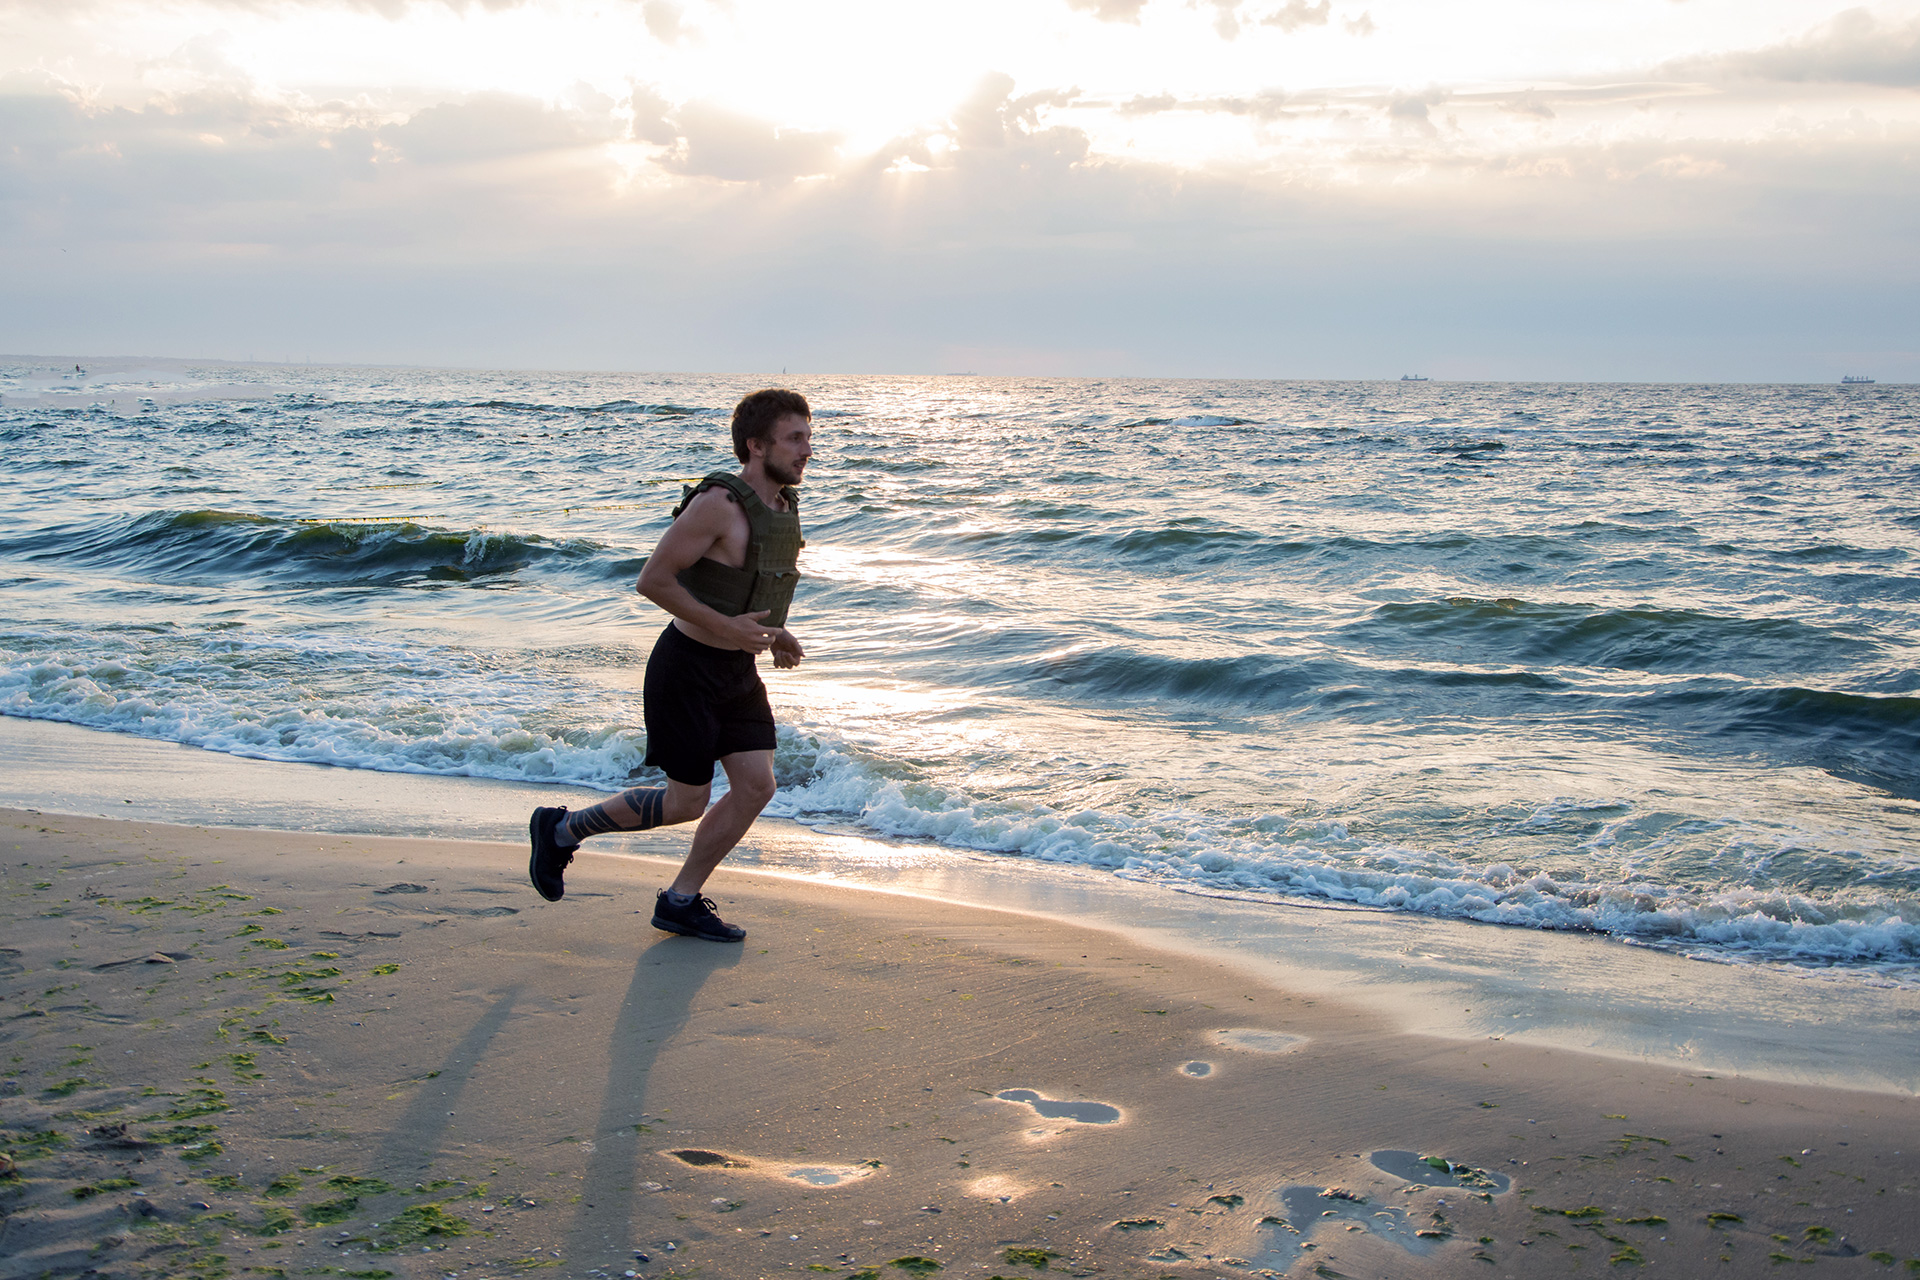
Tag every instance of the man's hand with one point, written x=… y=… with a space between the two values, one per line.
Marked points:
x=786 y=650
x=751 y=632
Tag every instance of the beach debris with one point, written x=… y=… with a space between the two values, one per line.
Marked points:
x=1139 y=1224
x=7 y=1167
x=404 y=888
x=1341 y=1193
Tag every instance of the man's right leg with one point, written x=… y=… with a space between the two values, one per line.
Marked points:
x=556 y=833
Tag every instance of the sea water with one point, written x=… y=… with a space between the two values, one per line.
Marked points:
x=1636 y=660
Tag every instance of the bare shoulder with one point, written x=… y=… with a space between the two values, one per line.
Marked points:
x=715 y=506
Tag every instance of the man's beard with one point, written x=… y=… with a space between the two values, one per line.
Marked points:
x=785 y=475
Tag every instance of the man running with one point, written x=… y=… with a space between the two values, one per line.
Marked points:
x=725 y=569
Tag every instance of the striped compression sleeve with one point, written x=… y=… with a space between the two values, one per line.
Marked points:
x=640 y=809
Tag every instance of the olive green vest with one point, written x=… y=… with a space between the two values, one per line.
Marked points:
x=767 y=579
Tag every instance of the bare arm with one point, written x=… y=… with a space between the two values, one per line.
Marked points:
x=711 y=526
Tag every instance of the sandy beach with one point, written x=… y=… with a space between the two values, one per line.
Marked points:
x=248 y=1052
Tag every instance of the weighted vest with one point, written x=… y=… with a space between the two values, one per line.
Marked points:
x=767 y=578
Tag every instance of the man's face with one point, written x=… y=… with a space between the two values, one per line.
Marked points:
x=784 y=454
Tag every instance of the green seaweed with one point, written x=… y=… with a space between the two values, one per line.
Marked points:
x=277 y=1220
x=421 y=1222
x=31 y=1144
x=338 y=1210
x=1019 y=1256
x=105 y=1184
x=915 y=1265
x=197 y=1103
x=284 y=1185
x=1139 y=1224
x=1583 y=1213
x=350 y=1185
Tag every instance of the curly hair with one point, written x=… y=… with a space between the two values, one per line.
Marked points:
x=755 y=416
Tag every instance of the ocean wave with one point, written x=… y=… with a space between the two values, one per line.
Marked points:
x=224 y=545
x=1278 y=858
x=344 y=701
x=1659 y=640
x=314 y=699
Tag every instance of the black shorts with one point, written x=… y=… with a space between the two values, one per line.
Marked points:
x=702 y=703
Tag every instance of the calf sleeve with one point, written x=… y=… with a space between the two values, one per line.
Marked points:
x=640 y=809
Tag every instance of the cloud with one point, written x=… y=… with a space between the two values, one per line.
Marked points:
x=1298 y=13
x=1852 y=48
x=489 y=126
x=991 y=117
x=385 y=8
x=1271 y=105
x=1410 y=110
x=650 y=117
x=493 y=229
x=1360 y=26
x=1110 y=10
x=663 y=20
x=1529 y=104
x=718 y=143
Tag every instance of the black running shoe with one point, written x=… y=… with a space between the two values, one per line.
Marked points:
x=549 y=861
x=696 y=920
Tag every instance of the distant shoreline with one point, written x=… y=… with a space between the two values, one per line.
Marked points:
x=776 y=377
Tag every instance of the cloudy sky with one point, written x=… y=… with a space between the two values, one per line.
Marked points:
x=1589 y=189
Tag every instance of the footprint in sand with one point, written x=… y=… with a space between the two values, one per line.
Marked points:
x=1258 y=1040
x=1305 y=1209
x=1438 y=1171
x=1053 y=1109
x=814 y=1175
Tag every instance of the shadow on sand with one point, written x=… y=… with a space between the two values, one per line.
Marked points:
x=667 y=977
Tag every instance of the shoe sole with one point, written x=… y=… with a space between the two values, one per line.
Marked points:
x=533 y=861
x=674 y=926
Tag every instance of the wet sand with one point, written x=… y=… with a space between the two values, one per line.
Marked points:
x=233 y=1051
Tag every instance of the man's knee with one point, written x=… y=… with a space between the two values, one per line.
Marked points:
x=754 y=786
x=685 y=802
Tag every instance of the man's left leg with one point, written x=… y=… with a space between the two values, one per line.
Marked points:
x=680 y=908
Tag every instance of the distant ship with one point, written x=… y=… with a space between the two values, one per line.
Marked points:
x=1421 y=377
x=1856 y=379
